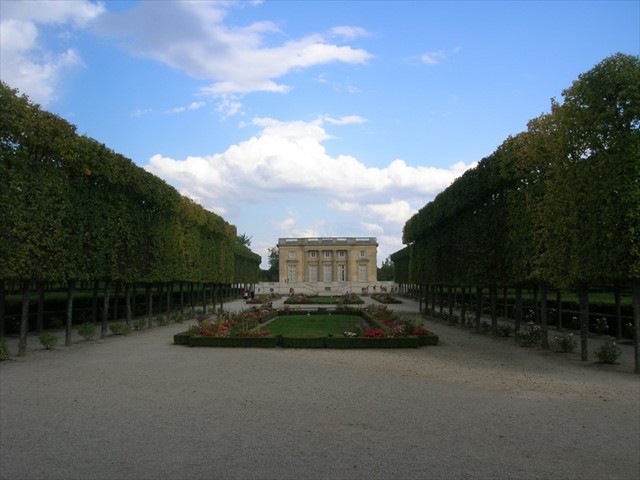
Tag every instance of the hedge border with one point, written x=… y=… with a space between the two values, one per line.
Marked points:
x=185 y=338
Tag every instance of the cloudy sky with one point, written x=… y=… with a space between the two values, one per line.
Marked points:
x=306 y=118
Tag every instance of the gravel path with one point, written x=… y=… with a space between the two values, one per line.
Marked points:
x=474 y=407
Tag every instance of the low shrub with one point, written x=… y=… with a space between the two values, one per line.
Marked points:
x=372 y=342
x=120 y=328
x=48 y=340
x=140 y=323
x=163 y=320
x=503 y=329
x=609 y=352
x=182 y=338
x=87 y=330
x=564 y=343
x=4 y=350
x=210 y=341
x=303 y=342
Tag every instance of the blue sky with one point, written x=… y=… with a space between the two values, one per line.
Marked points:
x=307 y=118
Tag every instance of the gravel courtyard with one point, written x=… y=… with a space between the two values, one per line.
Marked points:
x=474 y=407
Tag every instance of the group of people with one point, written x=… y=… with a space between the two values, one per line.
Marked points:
x=246 y=295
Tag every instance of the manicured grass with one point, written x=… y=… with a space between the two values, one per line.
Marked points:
x=314 y=325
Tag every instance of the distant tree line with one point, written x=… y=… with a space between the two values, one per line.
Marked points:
x=75 y=211
x=556 y=206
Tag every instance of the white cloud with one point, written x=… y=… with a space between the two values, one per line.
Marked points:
x=348 y=32
x=346 y=120
x=435 y=57
x=287 y=159
x=191 y=106
x=192 y=37
x=24 y=63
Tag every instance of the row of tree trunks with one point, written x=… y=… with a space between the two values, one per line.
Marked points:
x=435 y=294
x=215 y=291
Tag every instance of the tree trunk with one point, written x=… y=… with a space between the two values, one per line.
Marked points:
x=636 y=325
x=127 y=302
x=616 y=293
x=3 y=317
x=94 y=302
x=116 y=301
x=71 y=286
x=463 y=307
x=505 y=302
x=544 y=323
x=559 y=309
x=24 y=319
x=478 y=308
x=518 y=313
x=493 y=294
x=583 y=300
x=149 y=305
x=40 y=309
x=181 y=298
x=450 y=300
x=105 y=309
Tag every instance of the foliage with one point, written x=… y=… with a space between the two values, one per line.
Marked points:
x=608 y=352
x=139 y=324
x=504 y=329
x=120 y=328
x=386 y=270
x=48 y=340
x=530 y=334
x=74 y=209
x=565 y=343
x=600 y=325
x=4 y=350
x=87 y=330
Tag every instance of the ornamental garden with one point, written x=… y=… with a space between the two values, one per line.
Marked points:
x=333 y=325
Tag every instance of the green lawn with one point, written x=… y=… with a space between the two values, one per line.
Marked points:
x=314 y=325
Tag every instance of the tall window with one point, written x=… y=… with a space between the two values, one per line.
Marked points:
x=313 y=273
x=326 y=273
x=362 y=273
x=363 y=254
x=293 y=273
x=342 y=273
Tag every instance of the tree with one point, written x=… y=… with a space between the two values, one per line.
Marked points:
x=273 y=273
x=245 y=240
x=386 y=270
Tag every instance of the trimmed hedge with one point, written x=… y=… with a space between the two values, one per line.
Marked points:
x=429 y=339
x=209 y=341
x=372 y=342
x=185 y=338
x=303 y=342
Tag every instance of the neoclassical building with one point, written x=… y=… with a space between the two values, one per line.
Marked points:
x=328 y=260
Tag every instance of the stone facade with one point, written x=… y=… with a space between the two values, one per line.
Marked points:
x=328 y=260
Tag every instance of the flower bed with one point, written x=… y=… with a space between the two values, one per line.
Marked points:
x=300 y=299
x=246 y=330
x=385 y=298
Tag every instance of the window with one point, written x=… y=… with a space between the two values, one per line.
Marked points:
x=342 y=273
x=363 y=254
x=362 y=273
x=293 y=274
x=326 y=273
x=342 y=254
x=313 y=253
x=327 y=254
x=313 y=273
x=292 y=254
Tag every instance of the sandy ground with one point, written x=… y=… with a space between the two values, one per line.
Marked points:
x=474 y=407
